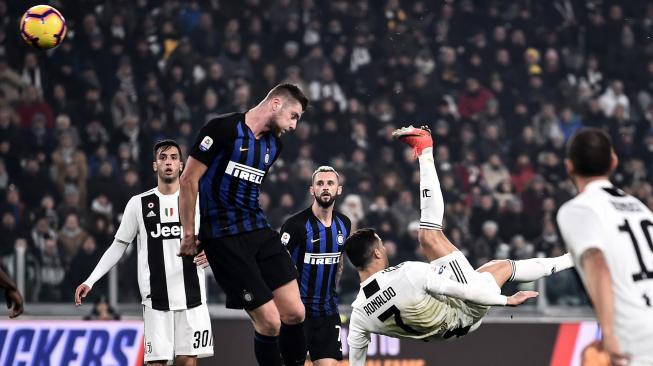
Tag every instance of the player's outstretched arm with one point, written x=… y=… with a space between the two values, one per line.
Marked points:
x=188 y=190
x=108 y=260
x=358 y=340
x=357 y=356
x=13 y=297
x=437 y=283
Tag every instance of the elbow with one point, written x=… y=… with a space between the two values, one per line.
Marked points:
x=185 y=181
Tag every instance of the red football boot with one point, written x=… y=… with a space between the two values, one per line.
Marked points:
x=417 y=138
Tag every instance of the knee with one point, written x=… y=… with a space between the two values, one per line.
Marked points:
x=493 y=264
x=295 y=315
x=186 y=361
x=267 y=322
x=268 y=326
x=426 y=238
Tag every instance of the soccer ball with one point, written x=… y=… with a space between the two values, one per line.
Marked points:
x=43 y=27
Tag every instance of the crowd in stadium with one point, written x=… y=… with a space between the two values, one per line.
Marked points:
x=502 y=85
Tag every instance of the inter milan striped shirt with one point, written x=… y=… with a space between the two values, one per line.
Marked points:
x=316 y=252
x=166 y=281
x=237 y=163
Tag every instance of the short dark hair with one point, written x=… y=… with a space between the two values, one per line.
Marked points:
x=290 y=91
x=360 y=246
x=325 y=169
x=164 y=145
x=590 y=152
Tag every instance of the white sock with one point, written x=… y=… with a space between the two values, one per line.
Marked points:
x=431 y=202
x=528 y=270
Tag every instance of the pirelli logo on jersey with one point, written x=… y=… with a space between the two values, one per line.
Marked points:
x=245 y=172
x=322 y=258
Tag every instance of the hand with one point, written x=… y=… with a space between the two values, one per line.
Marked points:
x=520 y=297
x=200 y=260
x=81 y=292
x=594 y=355
x=14 y=303
x=610 y=344
x=188 y=246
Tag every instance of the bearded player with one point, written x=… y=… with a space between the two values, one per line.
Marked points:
x=315 y=238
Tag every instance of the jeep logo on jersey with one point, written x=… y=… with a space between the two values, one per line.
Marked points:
x=321 y=258
x=167 y=230
x=245 y=172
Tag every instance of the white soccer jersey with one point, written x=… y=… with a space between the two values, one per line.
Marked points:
x=621 y=226
x=166 y=281
x=420 y=301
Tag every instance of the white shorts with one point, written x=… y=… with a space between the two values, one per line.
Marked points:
x=173 y=333
x=463 y=272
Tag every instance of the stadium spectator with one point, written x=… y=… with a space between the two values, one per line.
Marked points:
x=102 y=310
x=70 y=237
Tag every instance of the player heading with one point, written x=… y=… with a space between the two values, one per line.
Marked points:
x=288 y=91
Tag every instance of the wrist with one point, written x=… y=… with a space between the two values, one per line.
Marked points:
x=607 y=334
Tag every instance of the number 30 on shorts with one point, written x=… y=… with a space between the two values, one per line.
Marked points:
x=202 y=339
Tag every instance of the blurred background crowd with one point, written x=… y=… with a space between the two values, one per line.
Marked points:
x=502 y=85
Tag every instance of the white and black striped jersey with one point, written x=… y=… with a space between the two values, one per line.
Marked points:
x=618 y=224
x=420 y=301
x=166 y=281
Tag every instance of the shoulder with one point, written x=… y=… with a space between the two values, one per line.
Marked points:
x=225 y=122
x=359 y=301
x=415 y=266
x=146 y=193
x=138 y=197
x=344 y=218
x=577 y=206
x=298 y=219
x=413 y=270
x=135 y=201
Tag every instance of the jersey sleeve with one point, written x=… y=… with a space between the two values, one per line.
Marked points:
x=211 y=139
x=292 y=234
x=128 y=228
x=580 y=229
x=347 y=224
x=357 y=340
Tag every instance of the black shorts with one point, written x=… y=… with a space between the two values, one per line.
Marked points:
x=323 y=337
x=249 y=266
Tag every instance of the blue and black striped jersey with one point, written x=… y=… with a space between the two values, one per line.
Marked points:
x=316 y=251
x=237 y=164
